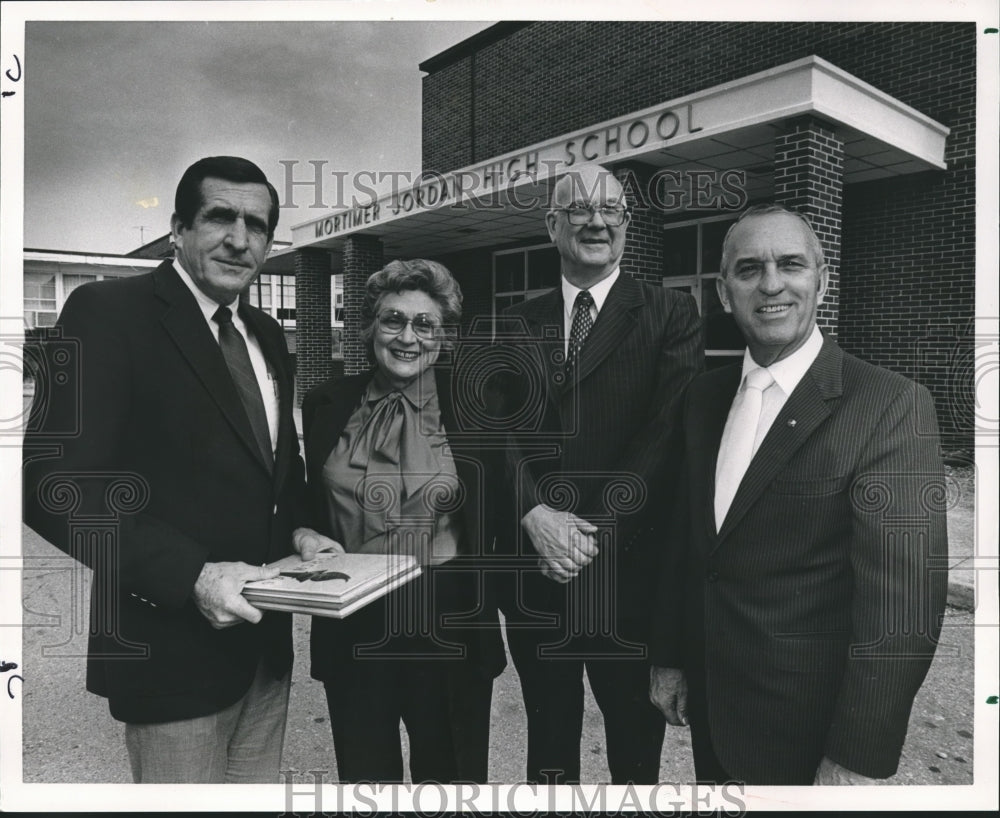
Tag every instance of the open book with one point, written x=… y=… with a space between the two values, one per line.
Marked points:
x=331 y=585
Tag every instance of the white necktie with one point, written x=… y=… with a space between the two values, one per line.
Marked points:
x=736 y=449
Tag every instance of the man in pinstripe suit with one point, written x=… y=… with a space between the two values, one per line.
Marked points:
x=800 y=608
x=606 y=359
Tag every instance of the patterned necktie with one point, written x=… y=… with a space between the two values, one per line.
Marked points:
x=736 y=450
x=580 y=329
x=234 y=350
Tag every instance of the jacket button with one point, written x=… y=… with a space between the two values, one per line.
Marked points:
x=712 y=576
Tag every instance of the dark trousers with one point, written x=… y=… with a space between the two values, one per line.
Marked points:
x=552 y=687
x=443 y=703
x=707 y=767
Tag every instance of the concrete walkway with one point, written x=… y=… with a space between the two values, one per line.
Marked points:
x=69 y=736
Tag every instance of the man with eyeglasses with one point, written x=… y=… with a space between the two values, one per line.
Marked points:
x=588 y=480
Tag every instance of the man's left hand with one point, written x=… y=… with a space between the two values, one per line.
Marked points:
x=831 y=773
x=308 y=543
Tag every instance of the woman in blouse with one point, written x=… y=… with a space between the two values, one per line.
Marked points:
x=389 y=475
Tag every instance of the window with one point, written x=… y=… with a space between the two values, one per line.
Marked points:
x=73 y=280
x=338 y=306
x=692 y=253
x=260 y=293
x=522 y=274
x=40 y=300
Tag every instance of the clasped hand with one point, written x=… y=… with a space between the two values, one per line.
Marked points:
x=565 y=543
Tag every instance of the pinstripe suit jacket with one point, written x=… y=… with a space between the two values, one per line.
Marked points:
x=605 y=444
x=809 y=620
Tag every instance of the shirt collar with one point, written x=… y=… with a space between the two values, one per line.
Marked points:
x=789 y=371
x=599 y=292
x=207 y=305
x=418 y=392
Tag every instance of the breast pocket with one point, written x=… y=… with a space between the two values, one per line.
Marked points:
x=811 y=486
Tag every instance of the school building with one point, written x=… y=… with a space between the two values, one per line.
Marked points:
x=868 y=128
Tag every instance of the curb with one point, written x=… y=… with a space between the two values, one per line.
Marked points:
x=961 y=596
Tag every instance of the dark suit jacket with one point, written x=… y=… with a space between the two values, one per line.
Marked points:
x=325 y=412
x=605 y=445
x=158 y=463
x=809 y=621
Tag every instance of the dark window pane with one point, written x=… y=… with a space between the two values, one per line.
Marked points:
x=509 y=271
x=543 y=268
x=721 y=331
x=680 y=251
x=711 y=245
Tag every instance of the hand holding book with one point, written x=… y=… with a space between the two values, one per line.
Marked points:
x=332 y=584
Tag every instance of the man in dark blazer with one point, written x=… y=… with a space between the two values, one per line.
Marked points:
x=600 y=362
x=150 y=466
x=800 y=609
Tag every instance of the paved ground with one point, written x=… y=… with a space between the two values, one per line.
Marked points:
x=69 y=737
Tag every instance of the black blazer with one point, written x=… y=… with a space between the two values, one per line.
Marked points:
x=139 y=437
x=325 y=413
x=809 y=621
x=605 y=445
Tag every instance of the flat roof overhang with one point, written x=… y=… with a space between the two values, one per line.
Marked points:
x=732 y=126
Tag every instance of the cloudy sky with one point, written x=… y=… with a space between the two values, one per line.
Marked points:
x=115 y=111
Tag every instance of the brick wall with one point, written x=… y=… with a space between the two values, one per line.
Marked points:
x=643 y=256
x=362 y=257
x=313 y=341
x=908 y=286
x=450 y=129
x=808 y=176
x=546 y=79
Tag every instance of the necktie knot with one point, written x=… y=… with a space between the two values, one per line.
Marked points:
x=759 y=379
x=584 y=300
x=223 y=316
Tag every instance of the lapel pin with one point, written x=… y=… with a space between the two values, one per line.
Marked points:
x=791 y=423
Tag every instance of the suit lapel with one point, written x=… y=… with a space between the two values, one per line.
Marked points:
x=545 y=322
x=185 y=324
x=807 y=407
x=617 y=318
x=468 y=476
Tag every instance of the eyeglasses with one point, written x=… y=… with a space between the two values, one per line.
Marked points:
x=393 y=322
x=612 y=215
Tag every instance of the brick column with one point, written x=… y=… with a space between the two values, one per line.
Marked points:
x=313 y=339
x=809 y=176
x=643 y=256
x=362 y=257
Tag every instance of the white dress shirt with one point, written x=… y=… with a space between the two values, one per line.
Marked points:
x=786 y=373
x=599 y=292
x=268 y=386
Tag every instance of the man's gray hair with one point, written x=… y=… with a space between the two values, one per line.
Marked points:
x=762 y=210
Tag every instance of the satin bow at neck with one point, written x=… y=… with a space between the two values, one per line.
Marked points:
x=392 y=434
